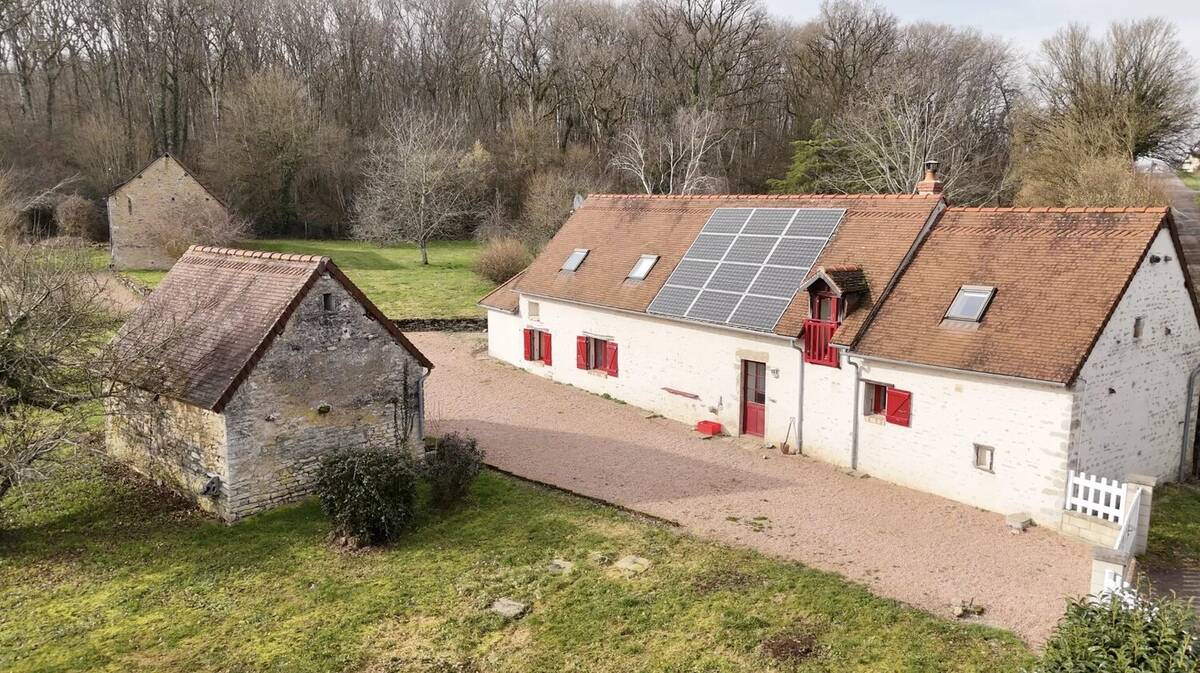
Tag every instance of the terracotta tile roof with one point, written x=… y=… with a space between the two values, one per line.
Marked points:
x=876 y=233
x=1058 y=275
x=216 y=313
x=503 y=298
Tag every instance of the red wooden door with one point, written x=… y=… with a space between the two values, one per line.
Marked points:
x=754 y=397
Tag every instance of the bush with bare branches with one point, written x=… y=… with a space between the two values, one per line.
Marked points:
x=502 y=258
x=215 y=227
x=79 y=217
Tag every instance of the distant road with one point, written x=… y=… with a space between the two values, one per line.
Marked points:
x=1187 y=218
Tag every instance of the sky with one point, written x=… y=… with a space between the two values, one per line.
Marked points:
x=1025 y=23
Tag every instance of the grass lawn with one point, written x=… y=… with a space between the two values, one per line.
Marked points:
x=1174 y=538
x=1190 y=179
x=393 y=277
x=99 y=572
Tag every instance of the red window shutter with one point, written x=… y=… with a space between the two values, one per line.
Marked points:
x=528 y=344
x=546 y=348
x=899 y=406
x=610 y=358
x=581 y=352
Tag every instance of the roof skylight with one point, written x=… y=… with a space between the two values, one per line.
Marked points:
x=642 y=269
x=575 y=259
x=970 y=302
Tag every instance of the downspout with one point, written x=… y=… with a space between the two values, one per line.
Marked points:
x=1188 y=426
x=799 y=399
x=854 y=418
x=421 y=405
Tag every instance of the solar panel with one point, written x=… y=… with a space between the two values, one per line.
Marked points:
x=673 y=301
x=819 y=222
x=746 y=265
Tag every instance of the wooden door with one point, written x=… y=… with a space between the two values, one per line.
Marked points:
x=754 y=397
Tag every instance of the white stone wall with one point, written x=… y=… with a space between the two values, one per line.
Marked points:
x=1131 y=392
x=655 y=353
x=1027 y=424
x=828 y=412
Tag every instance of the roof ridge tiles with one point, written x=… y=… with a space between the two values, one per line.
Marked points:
x=762 y=197
x=256 y=254
x=1058 y=209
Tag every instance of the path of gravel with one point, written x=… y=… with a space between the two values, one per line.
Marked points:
x=921 y=549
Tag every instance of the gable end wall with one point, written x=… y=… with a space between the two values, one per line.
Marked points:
x=1130 y=394
x=276 y=430
x=159 y=198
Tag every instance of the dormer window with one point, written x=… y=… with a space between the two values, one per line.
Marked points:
x=970 y=303
x=575 y=259
x=642 y=269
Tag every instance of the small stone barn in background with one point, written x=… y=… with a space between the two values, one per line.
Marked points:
x=245 y=368
x=142 y=210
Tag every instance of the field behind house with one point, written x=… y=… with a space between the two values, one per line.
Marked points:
x=100 y=571
x=392 y=277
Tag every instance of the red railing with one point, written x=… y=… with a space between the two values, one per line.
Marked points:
x=817 y=335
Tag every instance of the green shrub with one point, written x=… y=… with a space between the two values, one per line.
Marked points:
x=451 y=467
x=502 y=259
x=1124 y=633
x=370 y=494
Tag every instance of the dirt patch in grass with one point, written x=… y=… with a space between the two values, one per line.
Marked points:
x=793 y=646
x=722 y=579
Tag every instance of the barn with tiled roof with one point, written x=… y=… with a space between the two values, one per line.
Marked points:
x=244 y=368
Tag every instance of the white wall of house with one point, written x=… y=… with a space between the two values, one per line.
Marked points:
x=654 y=354
x=1131 y=392
x=828 y=412
x=1027 y=425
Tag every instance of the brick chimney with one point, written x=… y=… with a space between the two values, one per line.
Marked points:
x=930 y=185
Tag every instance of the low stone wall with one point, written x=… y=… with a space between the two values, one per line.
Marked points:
x=1090 y=529
x=442 y=324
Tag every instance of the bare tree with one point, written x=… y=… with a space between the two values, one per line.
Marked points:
x=671 y=159
x=1138 y=79
x=945 y=95
x=419 y=181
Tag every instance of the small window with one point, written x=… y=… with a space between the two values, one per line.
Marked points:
x=825 y=308
x=983 y=457
x=575 y=259
x=970 y=303
x=1139 y=326
x=327 y=302
x=129 y=203
x=597 y=354
x=534 y=310
x=642 y=269
x=538 y=346
x=875 y=403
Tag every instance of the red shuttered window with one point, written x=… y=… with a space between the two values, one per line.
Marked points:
x=598 y=354
x=538 y=347
x=899 y=407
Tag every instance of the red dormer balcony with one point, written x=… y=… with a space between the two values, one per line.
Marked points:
x=817 y=347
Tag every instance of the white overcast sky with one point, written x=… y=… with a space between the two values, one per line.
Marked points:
x=1025 y=23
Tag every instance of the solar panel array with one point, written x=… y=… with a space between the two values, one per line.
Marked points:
x=745 y=265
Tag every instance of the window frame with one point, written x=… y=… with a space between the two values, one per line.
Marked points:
x=597 y=349
x=583 y=255
x=1139 y=327
x=875 y=399
x=991 y=457
x=653 y=260
x=989 y=292
x=835 y=306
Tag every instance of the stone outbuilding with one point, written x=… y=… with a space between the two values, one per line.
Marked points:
x=145 y=213
x=245 y=368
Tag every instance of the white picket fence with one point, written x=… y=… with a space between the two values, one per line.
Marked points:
x=1128 y=533
x=1096 y=496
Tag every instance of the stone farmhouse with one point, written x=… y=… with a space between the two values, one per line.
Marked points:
x=143 y=210
x=247 y=367
x=994 y=356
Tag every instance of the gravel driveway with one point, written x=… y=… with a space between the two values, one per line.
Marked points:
x=917 y=548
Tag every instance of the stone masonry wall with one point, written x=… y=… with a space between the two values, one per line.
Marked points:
x=171 y=442
x=328 y=381
x=1130 y=396
x=162 y=196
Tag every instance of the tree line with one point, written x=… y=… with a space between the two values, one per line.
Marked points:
x=291 y=108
